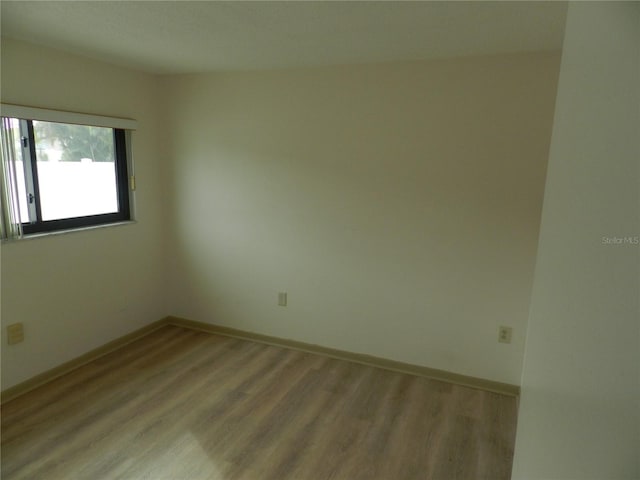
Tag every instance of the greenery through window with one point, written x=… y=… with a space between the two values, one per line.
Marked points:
x=75 y=142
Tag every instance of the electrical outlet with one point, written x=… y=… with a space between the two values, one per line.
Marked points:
x=504 y=334
x=282 y=299
x=15 y=333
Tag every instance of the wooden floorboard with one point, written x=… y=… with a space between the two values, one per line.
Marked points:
x=182 y=404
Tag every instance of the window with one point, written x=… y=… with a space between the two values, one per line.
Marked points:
x=65 y=175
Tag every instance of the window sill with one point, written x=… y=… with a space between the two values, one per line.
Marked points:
x=35 y=236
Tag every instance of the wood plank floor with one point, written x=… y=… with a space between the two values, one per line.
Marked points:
x=182 y=404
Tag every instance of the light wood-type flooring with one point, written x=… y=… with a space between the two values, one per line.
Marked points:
x=182 y=404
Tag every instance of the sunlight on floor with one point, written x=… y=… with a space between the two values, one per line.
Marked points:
x=185 y=458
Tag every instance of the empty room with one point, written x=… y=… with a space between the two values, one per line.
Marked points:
x=315 y=240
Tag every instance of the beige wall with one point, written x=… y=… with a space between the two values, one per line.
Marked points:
x=579 y=412
x=397 y=204
x=77 y=291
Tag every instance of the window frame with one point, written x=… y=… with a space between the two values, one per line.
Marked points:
x=123 y=167
x=122 y=187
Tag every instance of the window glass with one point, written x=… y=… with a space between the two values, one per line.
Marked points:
x=76 y=170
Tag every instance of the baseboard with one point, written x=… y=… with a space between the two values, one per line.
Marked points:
x=42 y=378
x=443 y=375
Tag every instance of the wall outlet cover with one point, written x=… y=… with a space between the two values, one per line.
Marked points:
x=282 y=299
x=505 y=334
x=15 y=333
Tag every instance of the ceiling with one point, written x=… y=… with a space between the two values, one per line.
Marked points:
x=169 y=37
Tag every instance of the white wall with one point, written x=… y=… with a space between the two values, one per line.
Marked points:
x=398 y=205
x=77 y=291
x=580 y=406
